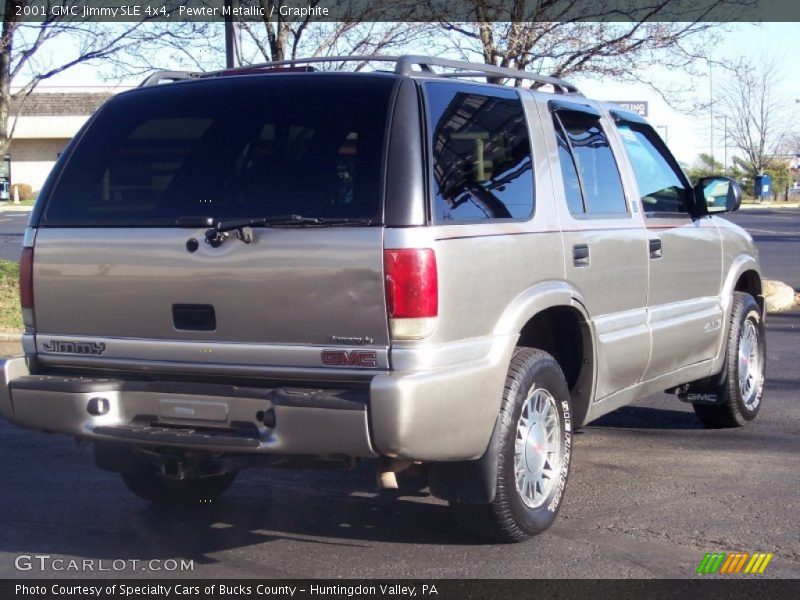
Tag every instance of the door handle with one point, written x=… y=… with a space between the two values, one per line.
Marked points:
x=580 y=255
x=655 y=248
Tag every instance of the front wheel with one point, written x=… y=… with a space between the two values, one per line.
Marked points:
x=533 y=453
x=738 y=395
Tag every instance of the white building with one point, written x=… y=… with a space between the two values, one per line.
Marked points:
x=46 y=123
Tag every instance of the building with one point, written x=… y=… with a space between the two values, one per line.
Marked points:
x=43 y=127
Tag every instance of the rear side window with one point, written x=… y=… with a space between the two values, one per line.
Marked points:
x=481 y=154
x=569 y=174
x=239 y=147
x=592 y=182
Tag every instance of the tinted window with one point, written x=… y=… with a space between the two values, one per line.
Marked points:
x=241 y=147
x=599 y=176
x=481 y=154
x=569 y=172
x=660 y=187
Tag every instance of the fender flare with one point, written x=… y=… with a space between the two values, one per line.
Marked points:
x=739 y=265
x=536 y=299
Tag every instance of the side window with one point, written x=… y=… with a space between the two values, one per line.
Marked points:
x=588 y=164
x=661 y=188
x=569 y=172
x=481 y=154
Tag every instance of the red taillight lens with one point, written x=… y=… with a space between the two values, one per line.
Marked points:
x=412 y=292
x=412 y=288
x=26 y=278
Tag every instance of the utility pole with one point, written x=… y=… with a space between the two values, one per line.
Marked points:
x=711 y=103
x=233 y=50
x=725 y=127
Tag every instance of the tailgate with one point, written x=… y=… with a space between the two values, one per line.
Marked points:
x=289 y=286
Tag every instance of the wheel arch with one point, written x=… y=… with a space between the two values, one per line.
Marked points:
x=541 y=306
x=744 y=275
x=750 y=281
x=553 y=318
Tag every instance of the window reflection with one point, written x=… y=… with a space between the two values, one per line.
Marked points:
x=481 y=155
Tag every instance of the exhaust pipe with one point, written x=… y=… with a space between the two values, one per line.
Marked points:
x=387 y=472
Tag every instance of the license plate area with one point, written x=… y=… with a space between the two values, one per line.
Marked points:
x=192 y=410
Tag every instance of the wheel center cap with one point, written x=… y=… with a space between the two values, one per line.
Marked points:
x=534 y=448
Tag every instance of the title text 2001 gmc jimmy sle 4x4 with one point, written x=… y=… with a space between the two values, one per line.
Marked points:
x=286 y=266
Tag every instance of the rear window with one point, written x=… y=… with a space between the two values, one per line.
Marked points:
x=236 y=148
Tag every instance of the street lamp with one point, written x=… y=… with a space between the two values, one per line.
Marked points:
x=725 y=141
x=711 y=106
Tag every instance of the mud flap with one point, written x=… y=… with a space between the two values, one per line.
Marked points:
x=469 y=481
x=709 y=391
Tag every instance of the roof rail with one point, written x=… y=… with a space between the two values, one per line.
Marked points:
x=167 y=76
x=408 y=64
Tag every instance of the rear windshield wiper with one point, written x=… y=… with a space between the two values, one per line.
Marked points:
x=217 y=234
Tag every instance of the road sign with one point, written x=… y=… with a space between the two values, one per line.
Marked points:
x=637 y=106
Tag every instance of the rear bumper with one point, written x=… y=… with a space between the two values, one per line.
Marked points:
x=215 y=418
x=441 y=414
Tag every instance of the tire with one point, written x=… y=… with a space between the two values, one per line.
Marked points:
x=150 y=486
x=526 y=505
x=742 y=382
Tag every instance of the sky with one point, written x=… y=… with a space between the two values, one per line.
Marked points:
x=688 y=135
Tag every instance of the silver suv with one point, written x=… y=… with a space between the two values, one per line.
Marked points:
x=282 y=266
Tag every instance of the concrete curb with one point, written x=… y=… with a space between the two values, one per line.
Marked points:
x=778 y=296
x=10 y=337
x=12 y=208
x=768 y=205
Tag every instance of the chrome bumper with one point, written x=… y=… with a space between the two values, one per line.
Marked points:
x=216 y=418
x=441 y=414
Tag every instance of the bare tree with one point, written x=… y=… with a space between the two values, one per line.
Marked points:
x=618 y=39
x=30 y=52
x=759 y=118
x=792 y=145
x=364 y=28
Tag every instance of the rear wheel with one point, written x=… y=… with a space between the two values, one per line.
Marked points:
x=738 y=394
x=534 y=447
x=149 y=485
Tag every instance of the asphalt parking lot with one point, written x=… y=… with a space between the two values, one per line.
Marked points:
x=650 y=493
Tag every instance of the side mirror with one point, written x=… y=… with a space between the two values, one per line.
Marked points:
x=718 y=194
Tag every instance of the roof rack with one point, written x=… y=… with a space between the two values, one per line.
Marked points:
x=408 y=65
x=168 y=76
x=405 y=66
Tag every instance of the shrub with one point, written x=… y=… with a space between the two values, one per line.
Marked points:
x=25 y=192
x=10 y=313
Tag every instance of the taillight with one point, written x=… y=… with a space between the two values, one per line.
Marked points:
x=412 y=292
x=26 y=285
